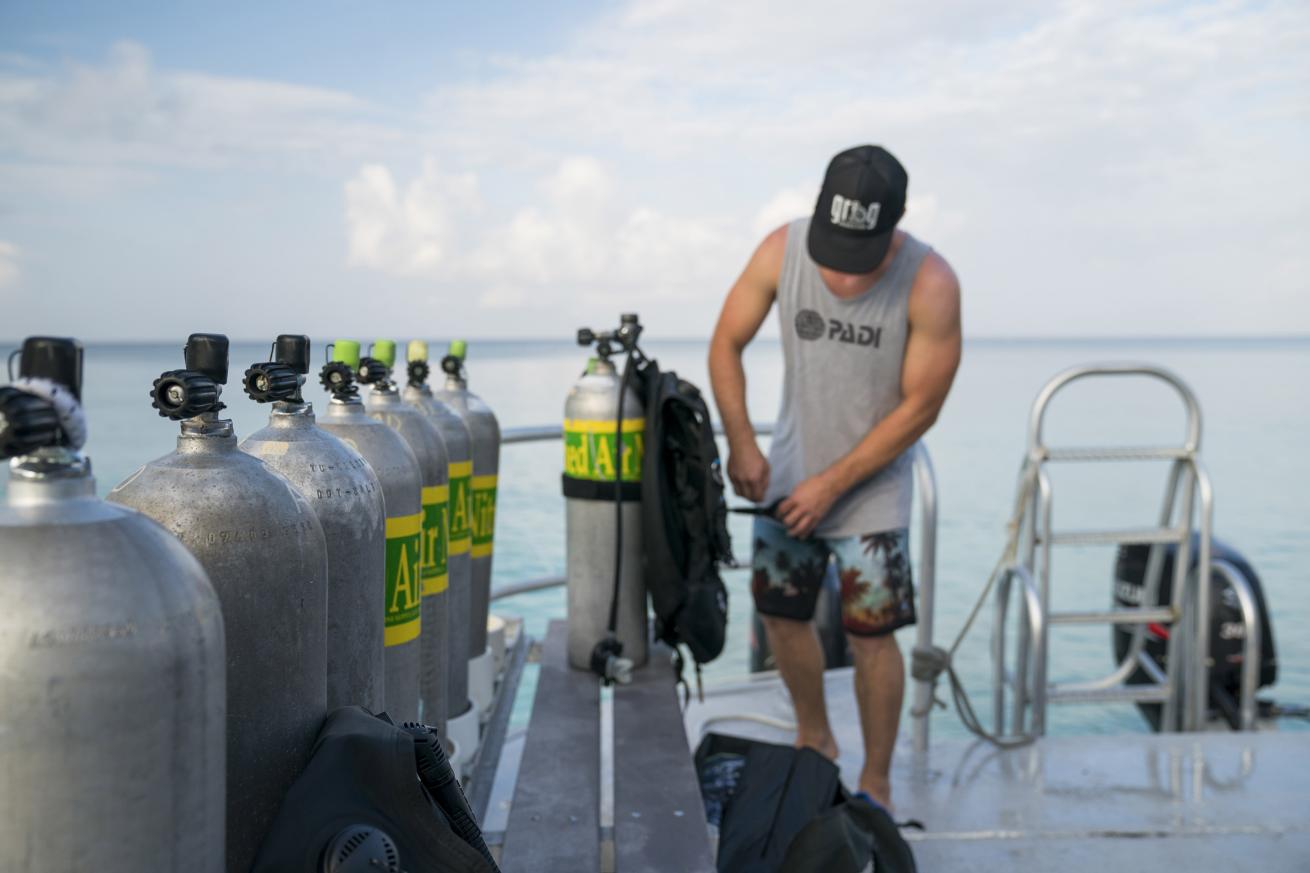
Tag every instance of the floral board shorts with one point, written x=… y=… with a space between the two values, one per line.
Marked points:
x=877 y=594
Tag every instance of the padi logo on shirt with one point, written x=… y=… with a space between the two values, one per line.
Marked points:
x=810 y=325
x=854 y=215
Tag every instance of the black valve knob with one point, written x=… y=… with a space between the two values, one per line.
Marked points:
x=292 y=349
x=27 y=423
x=418 y=372
x=451 y=365
x=180 y=394
x=338 y=378
x=586 y=336
x=267 y=382
x=58 y=359
x=206 y=354
x=372 y=371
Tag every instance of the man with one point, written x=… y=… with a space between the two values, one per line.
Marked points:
x=870 y=321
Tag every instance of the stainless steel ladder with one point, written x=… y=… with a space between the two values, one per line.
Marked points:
x=1181 y=686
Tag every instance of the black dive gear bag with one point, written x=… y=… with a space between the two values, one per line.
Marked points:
x=684 y=518
x=374 y=797
x=784 y=810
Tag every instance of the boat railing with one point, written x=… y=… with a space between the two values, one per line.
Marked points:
x=925 y=484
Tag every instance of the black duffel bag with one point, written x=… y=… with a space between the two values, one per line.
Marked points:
x=784 y=810
x=375 y=797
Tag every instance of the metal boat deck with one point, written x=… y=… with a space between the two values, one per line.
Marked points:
x=1188 y=801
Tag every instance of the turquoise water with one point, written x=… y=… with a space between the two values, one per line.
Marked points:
x=1255 y=396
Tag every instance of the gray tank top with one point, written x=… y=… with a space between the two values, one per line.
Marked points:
x=842 y=375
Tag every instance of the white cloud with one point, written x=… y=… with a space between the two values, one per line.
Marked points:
x=575 y=238
x=127 y=113
x=9 y=254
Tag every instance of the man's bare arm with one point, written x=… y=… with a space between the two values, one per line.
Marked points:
x=932 y=354
x=745 y=309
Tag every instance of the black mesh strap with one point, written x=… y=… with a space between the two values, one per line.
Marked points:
x=590 y=489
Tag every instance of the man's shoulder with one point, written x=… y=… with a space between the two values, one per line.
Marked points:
x=771 y=251
x=936 y=288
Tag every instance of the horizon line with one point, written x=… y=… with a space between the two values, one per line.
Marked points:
x=990 y=338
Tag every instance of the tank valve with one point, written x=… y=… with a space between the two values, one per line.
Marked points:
x=27 y=423
x=180 y=394
x=338 y=379
x=418 y=372
x=608 y=663
x=271 y=381
x=609 y=342
x=373 y=372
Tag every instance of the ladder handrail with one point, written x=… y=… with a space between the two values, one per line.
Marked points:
x=1188 y=496
x=1037 y=416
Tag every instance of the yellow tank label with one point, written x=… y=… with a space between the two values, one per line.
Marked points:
x=590 y=449
x=404 y=578
x=484 y=515
x=461 y=507
x=436 y=533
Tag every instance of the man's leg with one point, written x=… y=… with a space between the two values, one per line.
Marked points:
x=879 y=691
x=796 y=649
x=877 y=598
x=786 y=574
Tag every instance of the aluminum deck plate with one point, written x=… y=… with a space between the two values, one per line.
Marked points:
x=1197 y=802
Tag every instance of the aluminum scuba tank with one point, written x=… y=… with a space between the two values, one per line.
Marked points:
x=484 y=431
x=384 y=403
x=593 y=524
x=111 y=658
x=262 y=546
x=459 y=453
x=347 y=498
x=397 y=470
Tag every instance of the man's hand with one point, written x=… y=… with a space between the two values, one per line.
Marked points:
x=749 y=471
x=806 y=506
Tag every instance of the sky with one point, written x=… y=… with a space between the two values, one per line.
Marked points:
x=513 y=169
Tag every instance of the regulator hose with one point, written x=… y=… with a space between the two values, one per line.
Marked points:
x=609 y=649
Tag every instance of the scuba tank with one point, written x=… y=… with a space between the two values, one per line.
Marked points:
x=347 y=498
x=397 y=471
x=111 y=637
x=455 y=435
x=1227 y=630
x=603 y=522
x=263 y=548
x=484 y=431
x=384 y=403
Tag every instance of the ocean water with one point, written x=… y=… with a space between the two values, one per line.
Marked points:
x=1254 y=394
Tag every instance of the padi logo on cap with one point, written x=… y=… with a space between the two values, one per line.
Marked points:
x=854 y=215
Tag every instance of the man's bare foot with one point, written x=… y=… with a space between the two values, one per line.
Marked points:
x=825 y=745
x=879 y=789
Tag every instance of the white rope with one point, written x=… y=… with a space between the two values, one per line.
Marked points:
x=71 y=417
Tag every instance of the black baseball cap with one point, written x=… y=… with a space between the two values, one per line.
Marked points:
x=862 y=199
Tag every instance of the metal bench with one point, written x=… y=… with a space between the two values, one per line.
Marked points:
x=555 y=820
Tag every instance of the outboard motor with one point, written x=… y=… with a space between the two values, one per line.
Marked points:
x=462 y=719
x=263 y=548
x=1227 y=630
x=347 y=498
x=485 y=433
x=112 y=692
x=604 y=426
x=397 y=470
x=385 y=404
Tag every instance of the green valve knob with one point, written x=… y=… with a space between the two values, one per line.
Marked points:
x=459 y=349
x=384 y=350
x=346 y=352
x=417 y=351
